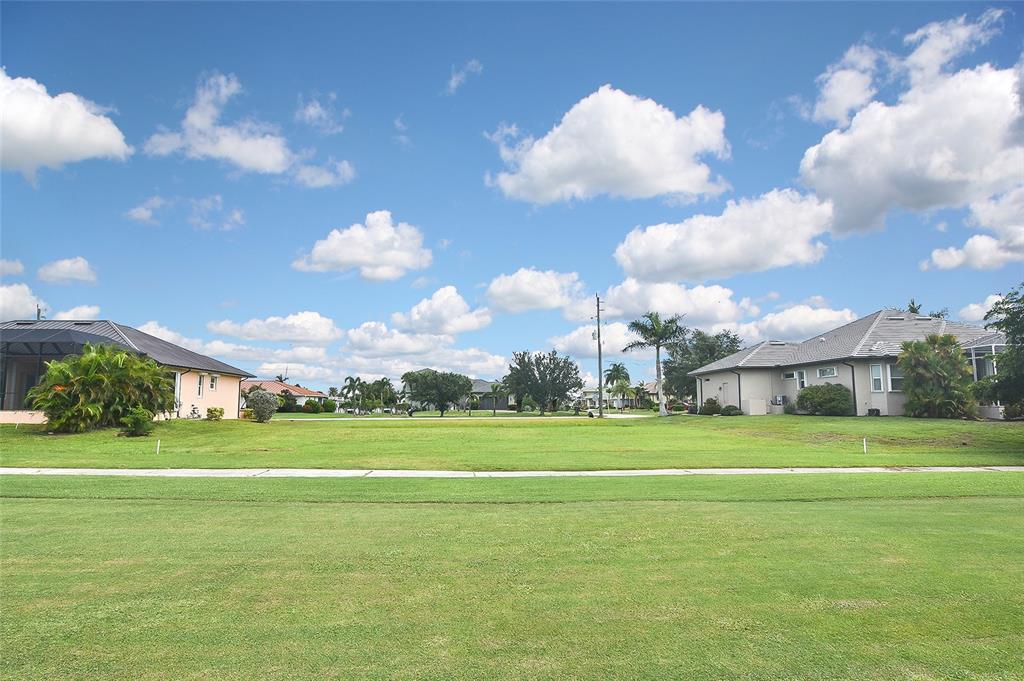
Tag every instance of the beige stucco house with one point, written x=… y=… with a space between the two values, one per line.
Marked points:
x=861 y=355
x=25 y=347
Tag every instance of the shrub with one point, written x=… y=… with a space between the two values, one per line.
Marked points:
x=99 y=388
x=710 y=407
x=936 y=378
x=138 y=422
x=312 y=407
x=263 y=405
x=827 y=399
x=789 y=408
x=287 y=402
x=245 y=414
x=1013 y=411
x=731 y=410
x=330 y=406
x=214 y=413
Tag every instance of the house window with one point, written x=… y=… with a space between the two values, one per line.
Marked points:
x=213 y=383
x=202 y=379
x=827 y=372
x=789 y=375
x=876 y=378
x=895 y=378
x=801 y=379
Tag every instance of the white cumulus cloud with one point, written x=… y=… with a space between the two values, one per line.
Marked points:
x=67 y=271
x=79 y=312
x=320 y=113
x=975 y=312
x=794 y=323
x=10 y=268
x=39 y=130
x=847 y=85
x=332 y=174
x=532 y=289
x=1004 y=217
x=445 y=312
x=581 y=341
x=381 y=249
x=146 y=211
x=614 y=143
x=777 y=229
x=300 y=327
x=17 y=301
x=950 y=139
x=375 y=339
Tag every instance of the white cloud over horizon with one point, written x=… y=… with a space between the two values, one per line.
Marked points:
x=614 y=143
x=300 y=327
x=531 y=289
x=67 y=271
x=445 y=312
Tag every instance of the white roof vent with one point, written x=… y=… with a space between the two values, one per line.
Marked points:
x=897 y=319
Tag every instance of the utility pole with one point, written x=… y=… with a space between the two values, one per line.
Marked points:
x=600 y=363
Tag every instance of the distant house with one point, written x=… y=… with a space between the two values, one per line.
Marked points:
x=860 y=355
x=646 y=391
x=485 y=399
x=25 y=347
x=302 y=395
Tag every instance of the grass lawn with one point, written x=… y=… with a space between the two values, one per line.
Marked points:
x=524 y=444
x=819 y=576
x=281 y=416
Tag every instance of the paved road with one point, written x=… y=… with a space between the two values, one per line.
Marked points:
x=386 y=473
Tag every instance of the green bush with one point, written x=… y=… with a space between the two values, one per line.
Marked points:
x=138 y=422
x=1013 y=411
x=214 y=413
x=245 y=414
x=731 y=410
x=789 y=408
x=99 y=388
x=937 y=379
x=827 y=399
x=312 y=407
x=330 y=406
x=262 y=403
x=710 y=407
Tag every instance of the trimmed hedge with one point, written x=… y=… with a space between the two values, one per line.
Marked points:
x=731 y=410
x=710 y=407
x=827 y=399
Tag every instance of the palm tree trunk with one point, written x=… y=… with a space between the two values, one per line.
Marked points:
x=661 y=393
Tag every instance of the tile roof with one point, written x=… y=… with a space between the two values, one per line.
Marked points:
x=278 y=387
x=879 y=334
x=161 y=351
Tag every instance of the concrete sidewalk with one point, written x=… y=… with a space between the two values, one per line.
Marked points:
x=392 y=473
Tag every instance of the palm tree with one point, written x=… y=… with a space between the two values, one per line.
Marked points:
x=332 y=392
x=623 y=390
x=353 y=388
x=281 y=378
x=654 y=332
x=496 y=391
x=615 y=373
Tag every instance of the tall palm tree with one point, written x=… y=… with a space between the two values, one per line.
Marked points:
x=655 y=332
x=332 y=392
x=497 y=390
x=615 y=373
x=623 y=390
x=353 y=388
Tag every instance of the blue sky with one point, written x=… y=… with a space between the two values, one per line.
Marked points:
x=308 y=118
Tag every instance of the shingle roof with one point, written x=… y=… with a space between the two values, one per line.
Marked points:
x=482 y=386
x=278 y=387
x=879 y=334
x=161 y=351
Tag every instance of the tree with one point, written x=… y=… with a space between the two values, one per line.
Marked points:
x=1007 y=315
x=262 y=403
x=654 y=332
x=332 y=392
x=281 y=378
x=496 y=392
x=914 y=307
x=99 y=388
x=615 y=373
x=439 y=388
x=692 y=351
x=936 y=378
x=289 y=403
x=352 y=389
x=545 y=376
x=623 y=390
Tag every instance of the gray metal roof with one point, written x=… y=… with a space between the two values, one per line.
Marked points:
x=880 y=334
x=482 y=386
x=161 y=351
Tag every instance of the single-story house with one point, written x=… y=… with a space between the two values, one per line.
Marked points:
x=25 y=347
x=861 y=355
x=485 y=399
x=647 y=390
x=302 y=395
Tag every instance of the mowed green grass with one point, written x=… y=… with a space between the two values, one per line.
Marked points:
x=525 y=444
x=818 y=576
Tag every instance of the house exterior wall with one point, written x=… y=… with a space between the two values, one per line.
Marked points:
x=756 y=384
x=225 y=395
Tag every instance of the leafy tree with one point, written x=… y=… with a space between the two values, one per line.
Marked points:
x=99 y=388
x=827 y=399
x=1007 y=315
x=654 y=332
x=615 y=373
x=546 y=377
x=692 y=351
x=262 y=403
x=288 y=402
x=936 y=378
x=439 y=388
x=330 y=406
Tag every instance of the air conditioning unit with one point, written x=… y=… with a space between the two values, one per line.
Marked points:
x=780 y=400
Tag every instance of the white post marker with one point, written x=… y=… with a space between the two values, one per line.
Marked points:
x=158 y=447
x=865 y=445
